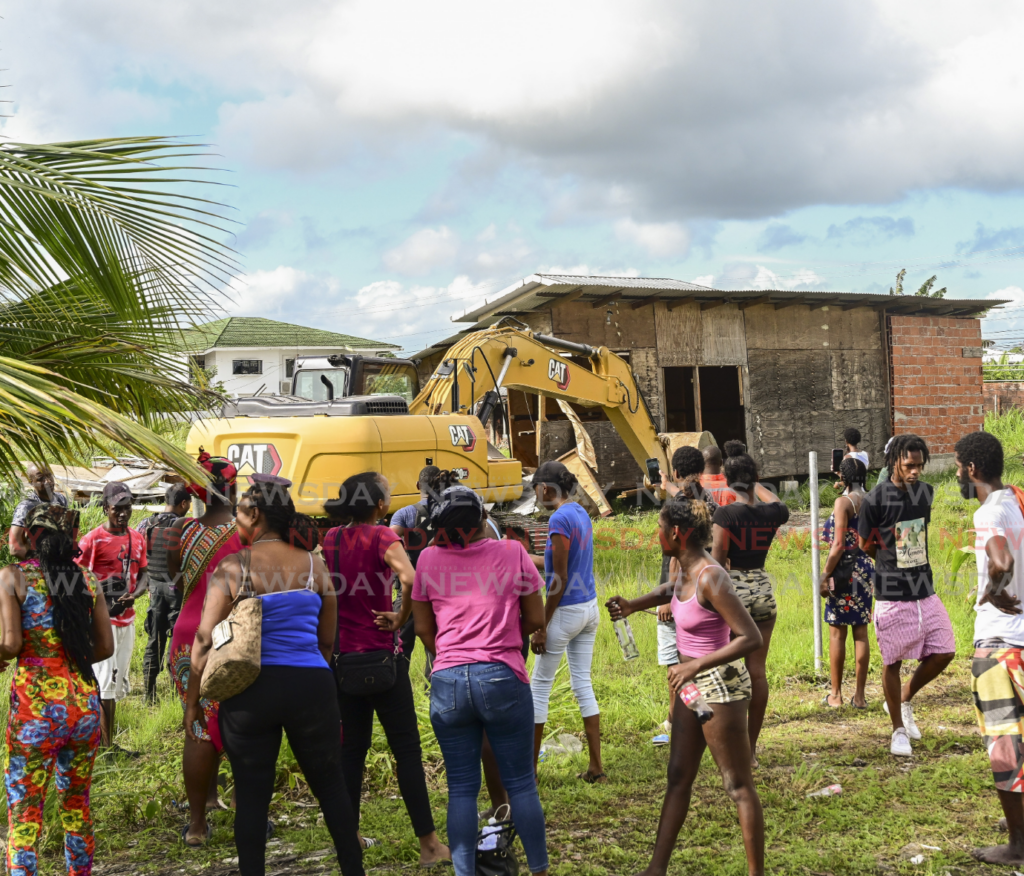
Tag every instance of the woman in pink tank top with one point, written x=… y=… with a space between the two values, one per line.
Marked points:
x=714 y=632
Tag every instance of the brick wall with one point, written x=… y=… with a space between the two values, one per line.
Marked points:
x=1001 y=395
x=936 y=378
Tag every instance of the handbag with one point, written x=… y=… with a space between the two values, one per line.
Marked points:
x=234 y=660
x=842 y=575
x=494 y=855
x=362 y=673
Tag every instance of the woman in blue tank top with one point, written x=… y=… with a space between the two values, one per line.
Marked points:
x=294 y=691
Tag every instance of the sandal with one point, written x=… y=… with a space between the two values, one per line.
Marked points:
x=852 y=703
x=202 y=842
x=368 y=842
x=829 y=705
x=591 y=779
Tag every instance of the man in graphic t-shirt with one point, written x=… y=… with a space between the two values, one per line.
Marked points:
x=997 y=671
x=43 y=485
x=911 y=623
x=116 y=555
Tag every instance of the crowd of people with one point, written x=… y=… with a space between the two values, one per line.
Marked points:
x=340 y=612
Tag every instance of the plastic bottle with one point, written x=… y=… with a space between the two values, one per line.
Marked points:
x=830 y=791
x=624 y=633
x=694 y=700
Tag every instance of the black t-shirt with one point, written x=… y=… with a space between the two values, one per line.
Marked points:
x=751 y=530
x=898 y=521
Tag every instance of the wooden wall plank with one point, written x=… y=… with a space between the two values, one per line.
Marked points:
x=858 y=379
x=856 y=329
x=644 y=362
x=789 y=380
x=873 y=424
x=724 y=339
x=781 y=439
x=761 y=326
x=580 y=322
x=679 y=338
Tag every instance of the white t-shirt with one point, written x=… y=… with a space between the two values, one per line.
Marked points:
x=862 y=455
x=1000 y=515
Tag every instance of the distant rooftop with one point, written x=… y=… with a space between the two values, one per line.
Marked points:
x=254 y=331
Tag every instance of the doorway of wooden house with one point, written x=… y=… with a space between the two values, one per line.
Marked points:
x=706 y=398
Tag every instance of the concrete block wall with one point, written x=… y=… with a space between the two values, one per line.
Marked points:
x=1001 y=395
x=936 y=378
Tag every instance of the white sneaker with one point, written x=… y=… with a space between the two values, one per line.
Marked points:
x=900 y=745
x=666 y=726
x=907 y=713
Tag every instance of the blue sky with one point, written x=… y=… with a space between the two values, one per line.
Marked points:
x=393 y=163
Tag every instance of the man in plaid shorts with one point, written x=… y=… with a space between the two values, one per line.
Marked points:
x=997 y=671
x=911 y=623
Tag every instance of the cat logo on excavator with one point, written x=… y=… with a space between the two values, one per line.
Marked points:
x=559 y=372
x=462 y=436
x=252 y=458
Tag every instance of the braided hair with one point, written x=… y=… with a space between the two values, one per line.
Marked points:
x=73 y=604
x=692 y=516
x=904 y=445
x=853 y=472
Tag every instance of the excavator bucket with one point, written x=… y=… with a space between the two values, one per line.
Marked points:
x=674 y=440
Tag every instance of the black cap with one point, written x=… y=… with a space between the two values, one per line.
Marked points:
x=115 y=492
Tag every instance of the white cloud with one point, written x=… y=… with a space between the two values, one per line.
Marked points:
x=707 y=280
x=658 y=239
x=804 y=278
x=585 y=270
x=424 y=251
x=273 y=294
x=615 y=107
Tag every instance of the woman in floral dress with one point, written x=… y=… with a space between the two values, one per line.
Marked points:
x=850 y=605
x=56 y=627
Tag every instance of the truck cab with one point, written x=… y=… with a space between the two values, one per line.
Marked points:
x=324 y=378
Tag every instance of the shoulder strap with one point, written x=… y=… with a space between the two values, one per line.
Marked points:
x=245 y=590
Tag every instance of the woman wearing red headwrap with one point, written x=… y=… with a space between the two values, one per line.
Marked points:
x=201 y=544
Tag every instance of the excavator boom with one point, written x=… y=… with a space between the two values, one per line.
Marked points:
x=476 y=367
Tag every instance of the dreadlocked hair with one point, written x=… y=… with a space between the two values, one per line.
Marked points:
x=903 y=445
x=853 y=472
x=436 y=482
x=692 y=516
x=278 y=509
x=73 y=604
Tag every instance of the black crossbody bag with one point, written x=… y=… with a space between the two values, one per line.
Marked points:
x=364 y=673
x=842 y=575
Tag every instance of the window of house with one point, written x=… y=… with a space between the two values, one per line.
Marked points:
x=198 y=362
x=289 y=368
x=247 y=366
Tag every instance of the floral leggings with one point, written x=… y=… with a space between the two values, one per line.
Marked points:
x=50 y=736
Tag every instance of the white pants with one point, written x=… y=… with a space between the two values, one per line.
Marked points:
x=112 y=673
x=572 y=631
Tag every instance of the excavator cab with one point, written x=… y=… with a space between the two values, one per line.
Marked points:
x=324 y=378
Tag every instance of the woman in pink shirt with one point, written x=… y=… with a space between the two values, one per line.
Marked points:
x=363 y=559
x=473 y=601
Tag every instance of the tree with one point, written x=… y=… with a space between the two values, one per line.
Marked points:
x=925 y=288
x=105 y=256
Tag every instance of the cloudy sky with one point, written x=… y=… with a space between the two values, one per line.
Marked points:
x=393 y=163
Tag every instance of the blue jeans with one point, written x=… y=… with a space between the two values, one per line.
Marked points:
x=465 y=701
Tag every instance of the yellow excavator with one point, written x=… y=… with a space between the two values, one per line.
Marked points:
x=356 y=414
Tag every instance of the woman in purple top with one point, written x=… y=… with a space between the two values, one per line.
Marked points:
x=363 y=557
x=473 y=601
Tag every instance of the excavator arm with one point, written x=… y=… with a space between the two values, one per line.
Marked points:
x=476 y=367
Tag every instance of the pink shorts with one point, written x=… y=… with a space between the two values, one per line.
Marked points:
x=913 y=630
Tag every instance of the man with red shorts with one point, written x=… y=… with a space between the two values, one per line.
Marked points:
x=911 y=623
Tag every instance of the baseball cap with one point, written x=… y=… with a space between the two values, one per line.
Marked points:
x=115 y=492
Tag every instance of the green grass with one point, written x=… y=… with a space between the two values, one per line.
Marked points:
x=942 y=797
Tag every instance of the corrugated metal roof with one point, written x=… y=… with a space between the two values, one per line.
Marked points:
x=541 y=290
x=254 y=331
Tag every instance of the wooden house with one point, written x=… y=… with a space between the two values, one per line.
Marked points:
x=783 y=371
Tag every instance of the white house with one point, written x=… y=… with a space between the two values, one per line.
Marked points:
x=252 y=355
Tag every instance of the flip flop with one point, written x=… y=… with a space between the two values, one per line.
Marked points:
x=661 y=739
x=829 y=705
x=590 y=778
x=852 y=703
x=202 y=842
x=369 y=842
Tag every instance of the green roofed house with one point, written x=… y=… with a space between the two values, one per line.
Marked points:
x=249 y=354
